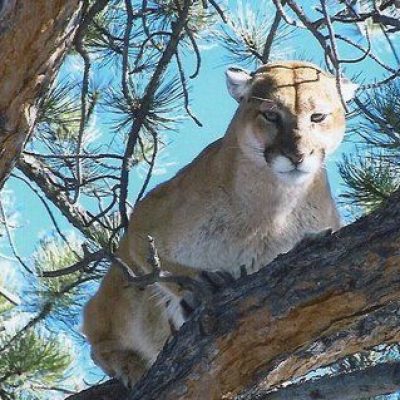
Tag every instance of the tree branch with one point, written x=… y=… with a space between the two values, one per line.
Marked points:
x=48 y=30
x=318 y=303
x=372 y=381
x=271 y=36
x=36 y=171
x=146 y=101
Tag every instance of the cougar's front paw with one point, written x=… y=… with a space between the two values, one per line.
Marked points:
x=312 y=237
x=125 y=365
x=128 y=372
x=212 y=282
x=215 y=280
x=188 y=304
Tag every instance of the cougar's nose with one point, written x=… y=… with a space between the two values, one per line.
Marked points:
x=295 y=158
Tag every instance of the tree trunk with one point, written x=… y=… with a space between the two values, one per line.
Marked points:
x=310 y=307
x=34 y=37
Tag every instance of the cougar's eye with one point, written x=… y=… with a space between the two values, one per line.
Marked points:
x=318 y=117
x=271 y=116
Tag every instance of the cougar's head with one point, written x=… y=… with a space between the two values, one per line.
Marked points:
x=290 y=117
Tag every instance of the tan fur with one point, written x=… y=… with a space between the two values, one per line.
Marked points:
x=227 y=208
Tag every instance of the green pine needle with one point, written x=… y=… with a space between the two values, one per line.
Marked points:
x=32 y=360
x=370 y=179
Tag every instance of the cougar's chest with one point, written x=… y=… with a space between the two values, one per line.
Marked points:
x=228 y=242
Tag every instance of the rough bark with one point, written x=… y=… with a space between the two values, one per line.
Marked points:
x=34 y=37
x=110 y=390
x=318 y=303
x=372 y=381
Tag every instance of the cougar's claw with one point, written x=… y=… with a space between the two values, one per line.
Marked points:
x=213 y=281
x=216 y=280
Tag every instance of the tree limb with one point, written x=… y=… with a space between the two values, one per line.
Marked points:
x=270 y=38
x=146 y=101
x=372 y=381
x=36 y=171
x=30 y=58
x=318 y=303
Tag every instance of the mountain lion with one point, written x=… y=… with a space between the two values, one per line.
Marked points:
x=248 y=197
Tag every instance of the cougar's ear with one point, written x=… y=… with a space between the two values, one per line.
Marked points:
x=348 y=89
x=238 y=82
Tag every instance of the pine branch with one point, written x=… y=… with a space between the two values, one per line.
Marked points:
x=77 y=267
x=167 y=55
x=250 y=35
x=370 y=179
x=33 y=359
x=270 y=38
x=10 y=297
x=84 y=112
x=36 y=171
x=48 y=307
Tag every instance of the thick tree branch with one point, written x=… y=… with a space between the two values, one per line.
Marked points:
x=319 y=303
x=110 y=390
x=30 y=58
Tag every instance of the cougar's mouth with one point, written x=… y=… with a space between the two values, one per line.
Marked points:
x=294 y=172
x=290 y=173
x=295 y=176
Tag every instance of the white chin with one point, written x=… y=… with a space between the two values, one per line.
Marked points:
x=294 y=177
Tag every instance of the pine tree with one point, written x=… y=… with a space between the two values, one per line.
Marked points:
x=124 y=86
x=372 y=174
